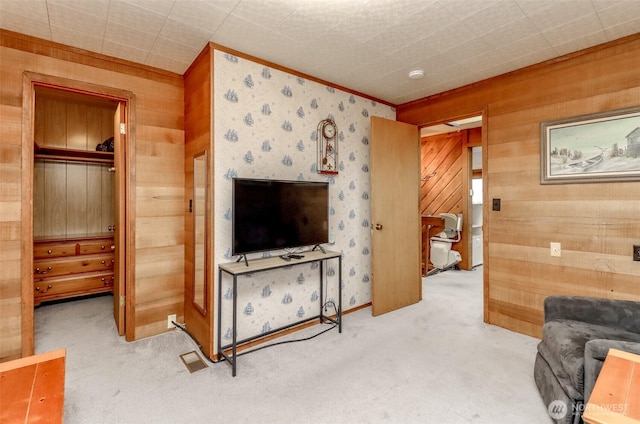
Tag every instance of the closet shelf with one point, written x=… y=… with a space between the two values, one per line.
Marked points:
x=75 y=155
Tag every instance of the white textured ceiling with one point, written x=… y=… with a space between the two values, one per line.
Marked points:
x=365 y=45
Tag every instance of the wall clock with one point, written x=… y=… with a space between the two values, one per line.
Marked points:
x=327 y=147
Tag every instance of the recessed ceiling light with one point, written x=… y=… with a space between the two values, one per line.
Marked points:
x=416 y=74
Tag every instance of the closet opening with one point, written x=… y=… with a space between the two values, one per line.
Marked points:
x=77 y=138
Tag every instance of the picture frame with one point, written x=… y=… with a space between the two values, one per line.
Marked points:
x=598 y=147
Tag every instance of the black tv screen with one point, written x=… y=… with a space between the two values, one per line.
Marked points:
x=275 y=214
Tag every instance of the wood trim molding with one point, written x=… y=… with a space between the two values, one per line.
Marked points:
x=467 y=221
x=54 y=50
x=28 y=106
x=29 y=83
x=76 y=86
x=130 y=219
x=570 y=57
x=486 y=233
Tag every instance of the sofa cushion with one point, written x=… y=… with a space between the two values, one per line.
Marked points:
x=565 y=340
x=623 y=314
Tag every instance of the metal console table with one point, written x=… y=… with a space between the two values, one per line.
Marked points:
x=236 y=269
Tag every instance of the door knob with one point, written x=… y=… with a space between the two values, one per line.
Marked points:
x=378 y=226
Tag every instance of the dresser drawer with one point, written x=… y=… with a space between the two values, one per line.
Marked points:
x=77 y=285
x=45 y=268
x=53 y=249
x=88 y=247
x=71 y=247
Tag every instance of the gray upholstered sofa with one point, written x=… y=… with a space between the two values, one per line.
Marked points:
x=576 y=337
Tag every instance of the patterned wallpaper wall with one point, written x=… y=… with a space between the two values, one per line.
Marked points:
x=265 y=127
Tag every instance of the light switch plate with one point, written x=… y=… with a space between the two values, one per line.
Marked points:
x=556 y=249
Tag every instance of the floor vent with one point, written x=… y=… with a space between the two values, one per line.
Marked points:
x=192 y=361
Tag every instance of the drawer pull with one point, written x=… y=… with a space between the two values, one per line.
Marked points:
x=49 y=251
x=45 y=290
x=102 y=247
x=106 y=281
x=39 y=271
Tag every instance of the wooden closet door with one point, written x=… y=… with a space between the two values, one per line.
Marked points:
x=119 y=212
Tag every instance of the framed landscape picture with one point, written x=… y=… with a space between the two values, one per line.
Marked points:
x=599 y=147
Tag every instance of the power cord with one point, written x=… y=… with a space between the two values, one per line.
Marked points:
x=286 y=341
x=184 y=328
x=330 y=302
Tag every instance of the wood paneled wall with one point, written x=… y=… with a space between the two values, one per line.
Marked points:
x=441 y=188
x=158 y=190
x=70 y=120
x=597 y=224
x=72 y=198
x=445 y=164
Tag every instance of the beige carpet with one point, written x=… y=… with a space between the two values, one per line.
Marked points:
x=433 y=362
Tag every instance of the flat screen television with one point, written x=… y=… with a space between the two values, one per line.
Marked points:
x=277 y=214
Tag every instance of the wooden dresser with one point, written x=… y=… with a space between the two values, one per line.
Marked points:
x=71 y=267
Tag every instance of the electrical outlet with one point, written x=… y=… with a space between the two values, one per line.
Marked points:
x=556 y=249
x=636 y=252
x=171 y=318
x=496 y=204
